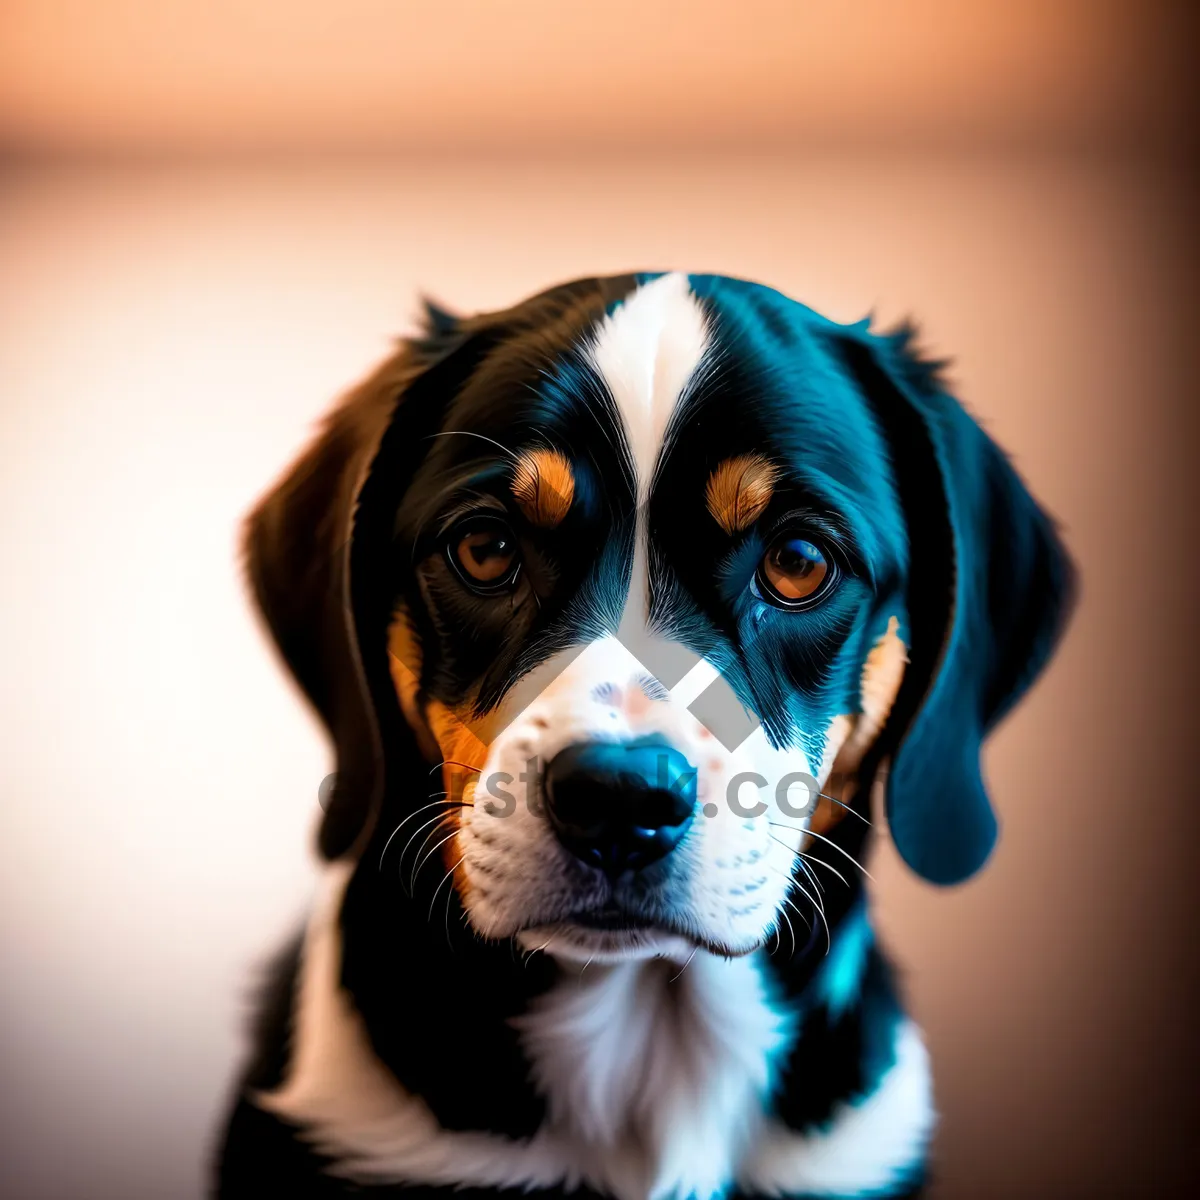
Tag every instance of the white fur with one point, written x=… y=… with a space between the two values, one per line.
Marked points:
x=655 y=1082
x=647 y=351
x=867 y=1147
x=657 y=1074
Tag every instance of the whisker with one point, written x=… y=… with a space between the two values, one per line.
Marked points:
x=791 y=931
x=417 y=813
x=437 y=889
x=482 y=437
x=820 y=862
x=820 y=909
x=844 y=853
x=412 y=883
x=806 y=857
x=451 y=762
x=796 y=854
x=842 y=804
x=435 y=822
x=542 y=948
x=815 y=899
x=685 y=965
x=822 y=838
x=449 y=897
x=810 y=873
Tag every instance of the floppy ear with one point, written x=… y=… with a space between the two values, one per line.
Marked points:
x=988 y=594
x=318 y=561
x=298 y=542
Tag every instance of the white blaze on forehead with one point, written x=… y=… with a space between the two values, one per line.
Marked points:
x=646 y=352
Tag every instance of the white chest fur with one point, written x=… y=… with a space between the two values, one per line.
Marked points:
x=657 y=1075
x=655 y=1083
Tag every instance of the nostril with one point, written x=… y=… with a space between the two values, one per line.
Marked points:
x=620 y=805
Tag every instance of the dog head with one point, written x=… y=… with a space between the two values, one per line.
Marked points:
x=640 y=564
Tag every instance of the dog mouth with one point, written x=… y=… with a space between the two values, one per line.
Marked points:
x=614 y=918
x=612 y=929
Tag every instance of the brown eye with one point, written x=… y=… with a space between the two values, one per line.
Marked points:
x=794 y=572
x=485 y=555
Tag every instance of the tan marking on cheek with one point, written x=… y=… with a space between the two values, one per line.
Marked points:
x=849 y=738
x=739 y=490
x=442 y=732
x=827 y=813
x=839 y=731
x=544 y=486
x=881 y=677
x=463 y=753
x=404 y=665
x=880 y=681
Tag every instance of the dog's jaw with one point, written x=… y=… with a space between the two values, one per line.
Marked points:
x=574 y=944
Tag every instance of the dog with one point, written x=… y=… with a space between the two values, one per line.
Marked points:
x=616 y=604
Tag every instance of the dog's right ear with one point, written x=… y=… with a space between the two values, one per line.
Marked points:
x=299 y=542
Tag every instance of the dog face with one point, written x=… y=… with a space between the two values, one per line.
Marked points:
x=617 y=542
x=639 y=564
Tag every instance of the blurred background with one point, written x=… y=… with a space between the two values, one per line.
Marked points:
x=214 y=216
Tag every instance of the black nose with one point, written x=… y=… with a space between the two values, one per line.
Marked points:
x=620 y=805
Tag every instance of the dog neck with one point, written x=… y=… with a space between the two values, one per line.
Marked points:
x=420 y=1054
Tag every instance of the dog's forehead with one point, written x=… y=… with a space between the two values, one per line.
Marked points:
x=535 y=385
x=671 y=376
x=648 y=353
x=709 y=367
x=776 y=394
x=718 y=380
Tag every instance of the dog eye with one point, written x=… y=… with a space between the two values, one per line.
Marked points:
x=795 y=572
x=483 y=551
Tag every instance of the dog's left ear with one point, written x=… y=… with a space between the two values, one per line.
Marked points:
x=989 y=589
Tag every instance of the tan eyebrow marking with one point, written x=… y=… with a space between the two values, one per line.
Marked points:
x=544 y=486
x=739 y=490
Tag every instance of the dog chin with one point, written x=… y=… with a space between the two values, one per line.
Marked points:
x=580 y=945
x=571 y=943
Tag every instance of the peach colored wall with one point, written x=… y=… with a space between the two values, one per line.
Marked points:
x=170 y=329
x=186 y=76
x=167 y=340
